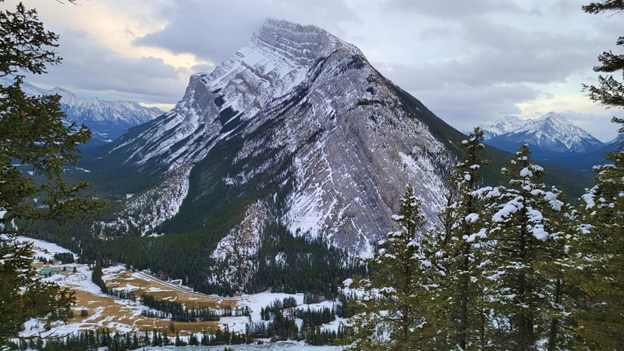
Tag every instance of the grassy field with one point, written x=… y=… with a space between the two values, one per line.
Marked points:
x=113 y=313
x=164 y=290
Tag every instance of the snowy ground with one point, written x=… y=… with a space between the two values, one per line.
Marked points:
x=256 y=302
x=280 y=346
x=104 y=311
x=125 y=315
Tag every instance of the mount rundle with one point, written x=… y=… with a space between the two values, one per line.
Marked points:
x=296 y=128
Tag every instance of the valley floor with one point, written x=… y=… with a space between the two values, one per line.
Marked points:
x=278 y=346
x=123 y=315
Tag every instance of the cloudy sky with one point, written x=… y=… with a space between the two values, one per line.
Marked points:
x=469 y=61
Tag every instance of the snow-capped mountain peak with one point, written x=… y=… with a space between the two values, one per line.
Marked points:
x=554 y=117
x=106 y=119
x=301 y=121
x=300 y=44
x=549 y=134
x=501 y=126
x=279 y=57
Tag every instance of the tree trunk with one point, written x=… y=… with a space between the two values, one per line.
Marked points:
x=554 y=323
x=463 y=325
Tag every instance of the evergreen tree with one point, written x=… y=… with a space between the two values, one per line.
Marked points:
x=610 y=91
x=96 y=277
x=178 y=341
x=456 y=251
x=597 y=252
x=598 y=259
x=525 y=240
x=32 y=133
x=395 y=301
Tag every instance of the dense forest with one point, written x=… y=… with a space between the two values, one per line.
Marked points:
x=88 y=340
x=512 y=267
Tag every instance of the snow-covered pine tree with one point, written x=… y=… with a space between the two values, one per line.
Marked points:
x=597 y=254
x=395 y=301
x=599 y=250
x=459 y=256
x=525 y=239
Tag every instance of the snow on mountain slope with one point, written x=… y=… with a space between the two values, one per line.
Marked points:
x=501 y=126
x=269 y=67
x=106 y=119
x=300 y=120
x=550 y=134
x=145 y=212
x=237 y=251
x=619 y=140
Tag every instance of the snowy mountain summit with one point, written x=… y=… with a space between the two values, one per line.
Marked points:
x=106 y=119
x=296 y=128
x=549 y=135
x=265 y=72
x=501 y=126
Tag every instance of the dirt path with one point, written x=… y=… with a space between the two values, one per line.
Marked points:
x=169 y=285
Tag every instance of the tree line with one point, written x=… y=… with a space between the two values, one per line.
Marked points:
x=178 y=312
x=88 y=340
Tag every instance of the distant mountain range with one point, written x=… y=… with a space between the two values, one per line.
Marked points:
x=548 y=136
x=108 y=120
x=552 y=138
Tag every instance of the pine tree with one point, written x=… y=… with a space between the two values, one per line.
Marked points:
x=178 y=341
x=32 y=132
x=525 y=241
x=597 y=252
x=610 y=91
x=598 y=259
x=146 y=339
x=459 y=255
x=96 y=277
x=395 y=301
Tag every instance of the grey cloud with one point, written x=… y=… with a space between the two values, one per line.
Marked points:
x=465 y=107
x=567 y=7
x=434 y=33
x=214 y=30
x=490 y=54
x=453 y=9
x=490 y=67
x=89 y=67
x=504 y=36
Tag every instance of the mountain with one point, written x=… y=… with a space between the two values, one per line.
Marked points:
x=290 y=154
x=548 y=136
x=301 y=120
x=107 y=119
x=501 y=126
x=586 y=162
x=619 y=140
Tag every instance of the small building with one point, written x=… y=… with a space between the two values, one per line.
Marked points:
x=49 y=270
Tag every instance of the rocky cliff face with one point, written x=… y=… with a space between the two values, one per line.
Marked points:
x=299 y=120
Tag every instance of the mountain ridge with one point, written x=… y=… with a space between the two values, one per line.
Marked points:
x=107 y=119
x=549 y=135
